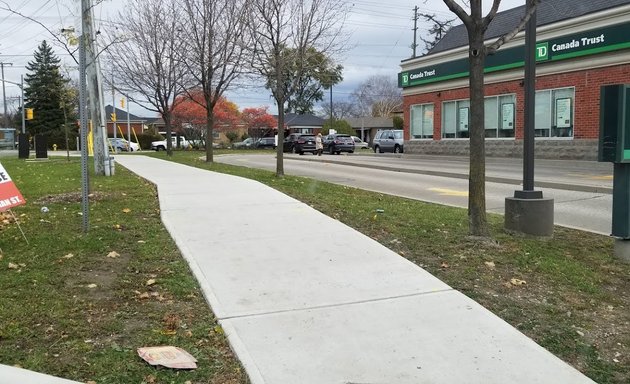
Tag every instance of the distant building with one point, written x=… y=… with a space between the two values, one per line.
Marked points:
x=366 y=127
x=136 y=124
x=581 y=45
x=306 y=123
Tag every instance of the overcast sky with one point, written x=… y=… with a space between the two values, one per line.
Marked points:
x=380 y=32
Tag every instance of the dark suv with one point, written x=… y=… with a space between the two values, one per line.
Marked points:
x=265 y=142
x=305 y=143
x=289 y=142
x=388 y=140
x=337 y=143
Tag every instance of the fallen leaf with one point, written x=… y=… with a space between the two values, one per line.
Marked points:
x=144 y=295
x=188 y=333
x=580 y=333
x=68 y=256
x=126 y=210
x=113 y=255
x=149 y=379
x=13 y=266
x=92 y=285
x=218 y=329
x=141 y=241
x=90 y=382
x=489 y=264
x=516 y=282
x=150 y=282
x=444 y=265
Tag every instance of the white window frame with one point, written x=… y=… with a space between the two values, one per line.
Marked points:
x=424 y=135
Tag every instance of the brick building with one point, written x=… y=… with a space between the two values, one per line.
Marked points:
x=581 y=45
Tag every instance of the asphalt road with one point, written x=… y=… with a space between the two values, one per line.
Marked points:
x=407 y=177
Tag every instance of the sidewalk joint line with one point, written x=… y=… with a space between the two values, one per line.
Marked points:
x=338 y=304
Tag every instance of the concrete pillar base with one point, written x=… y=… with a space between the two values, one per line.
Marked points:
x=529 y=216
x=622 y=250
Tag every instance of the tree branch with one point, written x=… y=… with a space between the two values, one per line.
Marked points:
x=492 y=48
x=460 y=12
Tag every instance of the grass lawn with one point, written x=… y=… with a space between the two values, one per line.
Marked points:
x=567 y=293
x=79 y=305
x=71 y=308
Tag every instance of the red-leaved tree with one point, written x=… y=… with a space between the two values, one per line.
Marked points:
x=258 y=121
x=190 y=117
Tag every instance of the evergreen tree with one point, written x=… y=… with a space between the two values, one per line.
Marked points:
x=46 y=92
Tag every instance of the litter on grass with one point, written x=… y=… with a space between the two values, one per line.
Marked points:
x=168 y=356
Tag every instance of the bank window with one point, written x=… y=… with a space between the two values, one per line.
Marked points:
x=422 y=121
x=455 y=119
x=498 y=117
x=554 y=112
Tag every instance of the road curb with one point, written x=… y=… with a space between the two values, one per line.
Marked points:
x=492 y=179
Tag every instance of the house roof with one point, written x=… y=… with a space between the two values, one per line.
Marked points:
x=370 y=122
x=548 y=12
x=306 y=120
x=121 y=115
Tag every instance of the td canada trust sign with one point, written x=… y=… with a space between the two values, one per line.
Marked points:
x=585 y=43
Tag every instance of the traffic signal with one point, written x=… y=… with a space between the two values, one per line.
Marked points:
x=29 y=113
x=113 y=116
x=122 y=103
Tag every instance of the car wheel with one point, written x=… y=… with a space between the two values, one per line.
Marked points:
x=350 y=151
x=331 y=150
x=293 y=149
x=377 y=149
x=338 y=152
x=300 y=153
x=397 y=149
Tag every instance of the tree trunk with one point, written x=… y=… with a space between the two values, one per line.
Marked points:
x=169 y=134
x=477 y=222
x=209 y=131
x=279 y=152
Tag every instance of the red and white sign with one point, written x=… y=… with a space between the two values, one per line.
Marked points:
x=9 y=195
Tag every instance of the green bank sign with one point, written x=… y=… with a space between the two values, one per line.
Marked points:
x=585 y=43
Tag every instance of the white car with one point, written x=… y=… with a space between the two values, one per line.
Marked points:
x=360 y=144
x=122 y=145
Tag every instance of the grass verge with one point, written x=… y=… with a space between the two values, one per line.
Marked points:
x=78 y=305
x=567 y=293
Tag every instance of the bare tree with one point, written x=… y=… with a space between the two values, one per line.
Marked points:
x=146 y=62
x=437 y=31
x=476 y=26
x=341 y=110
x=215 y=52
x=378 y=96
x=284 y=31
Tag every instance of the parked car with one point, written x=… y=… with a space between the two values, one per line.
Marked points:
x=360 y=144
x=122 y=145
x=160 y=145
x=288 y=145
x=305 y=143
x=337 y=143
x=265 y=142
x=388 y=140
x=247 y=143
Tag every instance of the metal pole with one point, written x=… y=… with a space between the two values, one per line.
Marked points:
x=113 y=111
x=84 y=123
x=23 y=104
x=129 y=125
x=331 y=107
x=529 y=83
x=4 y=96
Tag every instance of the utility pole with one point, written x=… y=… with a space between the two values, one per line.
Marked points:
x=4 y=95
x=114 y=118
x=415 y=30
x=95 y=93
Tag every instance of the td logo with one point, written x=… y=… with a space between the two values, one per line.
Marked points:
x=405 y=79
x=542 y=52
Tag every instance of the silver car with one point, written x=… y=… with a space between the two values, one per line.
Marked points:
x=388 y=140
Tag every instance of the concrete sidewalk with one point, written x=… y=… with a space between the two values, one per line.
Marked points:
x=305 y=299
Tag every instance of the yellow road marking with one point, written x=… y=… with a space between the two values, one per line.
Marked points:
x=592 y=177
x=449 y=192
